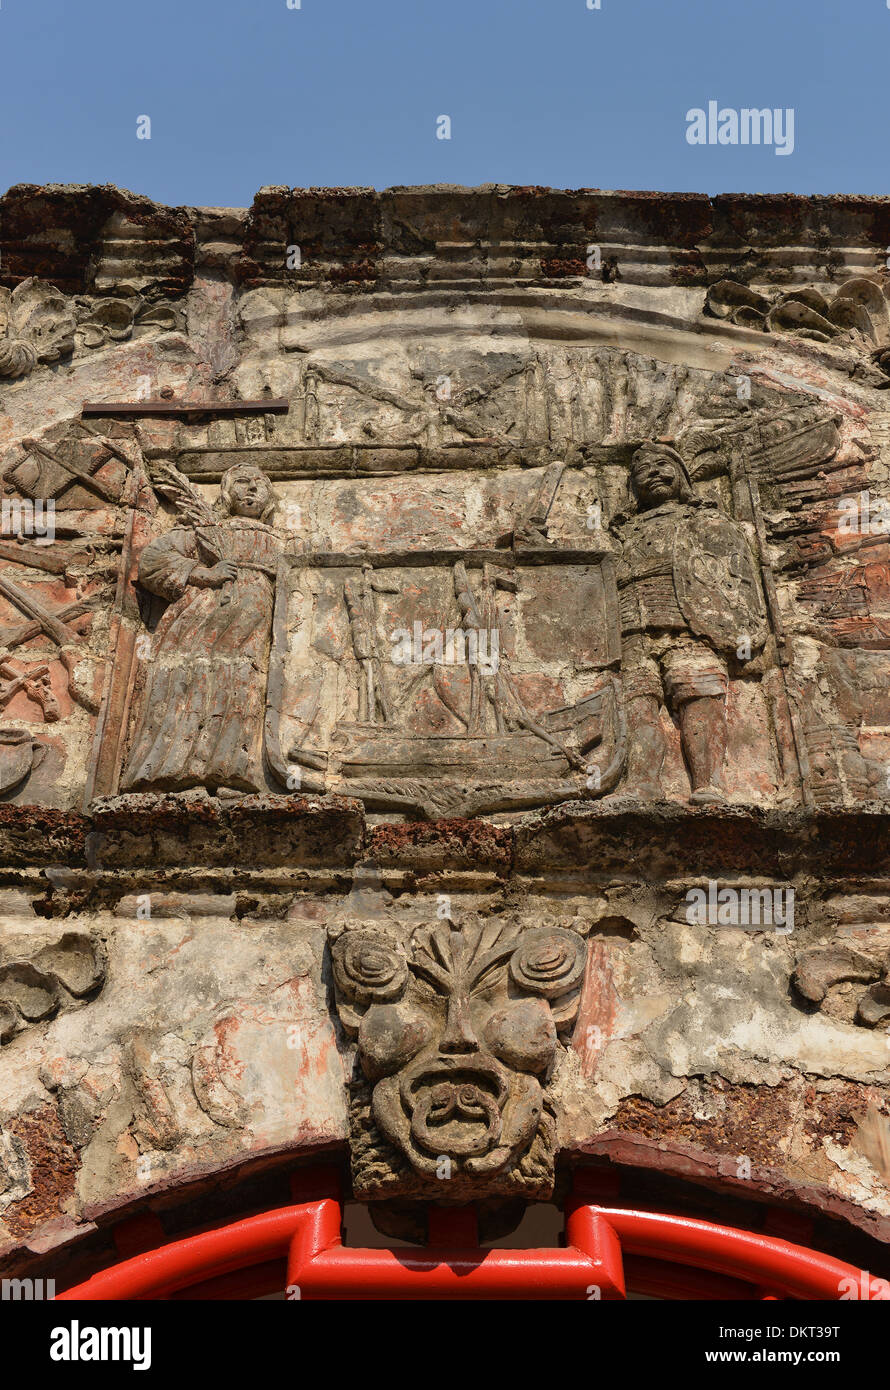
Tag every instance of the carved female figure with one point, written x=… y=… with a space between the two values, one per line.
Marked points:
x=202 y=710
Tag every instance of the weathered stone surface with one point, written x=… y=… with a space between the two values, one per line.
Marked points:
x=209 y=1043
x=456 y=581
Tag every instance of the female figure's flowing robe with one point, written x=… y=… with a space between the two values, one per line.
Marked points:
x=201 y=719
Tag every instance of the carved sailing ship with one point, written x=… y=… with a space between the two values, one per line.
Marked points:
x=505 y=757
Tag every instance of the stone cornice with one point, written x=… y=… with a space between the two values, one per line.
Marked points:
x=97 y=238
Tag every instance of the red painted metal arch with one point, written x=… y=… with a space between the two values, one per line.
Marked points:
x=307 y=1236
x=766 y=1261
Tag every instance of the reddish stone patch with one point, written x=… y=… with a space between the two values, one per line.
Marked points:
x=226 y=1030
x=554 y=268
x=835 y=1114
x=748 y=1120
x=597 y=1010
x=22 y=706
x=355 y=271
x=53 y=1164
x=458 y=842
x=540 y=693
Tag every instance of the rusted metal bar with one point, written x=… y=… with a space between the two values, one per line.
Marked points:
x=277 y=406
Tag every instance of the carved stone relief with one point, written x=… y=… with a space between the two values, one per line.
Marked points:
x=855 y=306
x=817 y=972
x=202 y=708
x=691 y=603
x=414 y=577
x=37 y=986
x=403 y=666
x=458 y=1029
x=404 y=675
x=41 y=326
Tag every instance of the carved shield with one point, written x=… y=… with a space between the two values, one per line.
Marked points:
x=717 y=582
x=16 y=757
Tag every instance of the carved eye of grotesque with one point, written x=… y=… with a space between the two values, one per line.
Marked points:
x=368 y=968
x=548 y=961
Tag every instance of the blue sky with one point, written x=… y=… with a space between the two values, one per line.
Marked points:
x=243 y=93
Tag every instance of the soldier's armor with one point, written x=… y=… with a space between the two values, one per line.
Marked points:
x=646 y=594
x=690 y=569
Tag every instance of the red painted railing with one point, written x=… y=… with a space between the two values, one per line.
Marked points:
x=307 y=1236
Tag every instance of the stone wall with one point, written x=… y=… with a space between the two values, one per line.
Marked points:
x=445 y=695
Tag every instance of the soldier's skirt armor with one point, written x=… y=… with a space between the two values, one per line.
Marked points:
x=661 y=656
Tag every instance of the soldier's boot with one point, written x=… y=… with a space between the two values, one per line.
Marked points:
x=703 y=732
x=646 y=749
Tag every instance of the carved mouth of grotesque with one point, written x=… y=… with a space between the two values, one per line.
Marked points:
x=455 y=1104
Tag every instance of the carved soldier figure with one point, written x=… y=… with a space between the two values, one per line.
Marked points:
x=202 y=711
x=690 y=602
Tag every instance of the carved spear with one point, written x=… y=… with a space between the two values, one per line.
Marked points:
x=27 y=603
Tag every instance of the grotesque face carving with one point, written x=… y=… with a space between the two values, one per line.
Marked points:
x=457 y=1034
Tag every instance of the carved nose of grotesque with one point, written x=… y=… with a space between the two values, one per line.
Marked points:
x=459 y=1034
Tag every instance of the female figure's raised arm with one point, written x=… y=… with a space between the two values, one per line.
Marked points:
x=167 y=563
